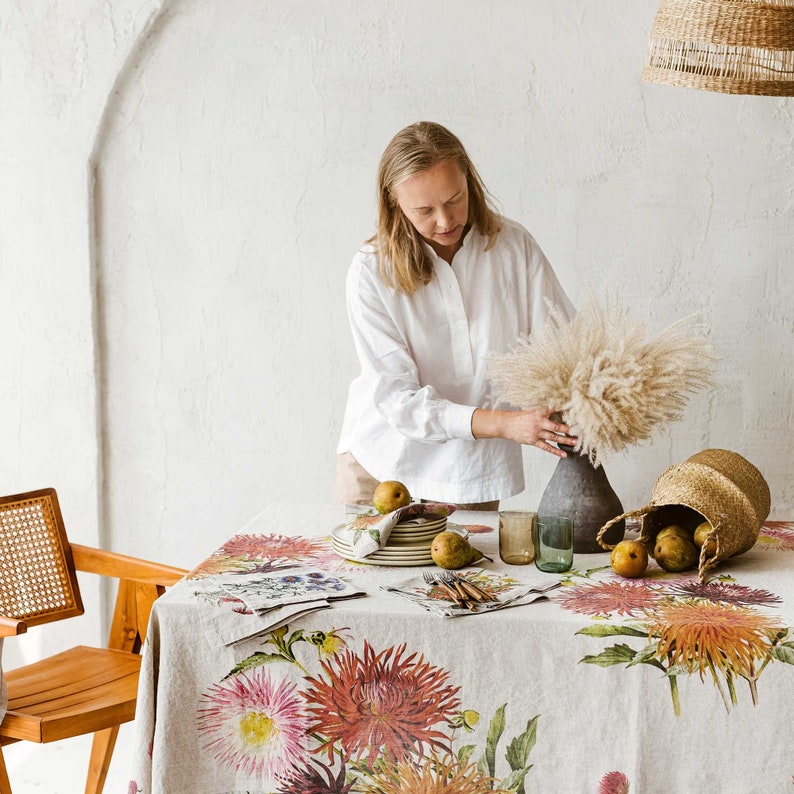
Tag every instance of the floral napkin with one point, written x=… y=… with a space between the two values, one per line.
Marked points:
x=366 y=530
x=433 y=598
x=235 y=622
x=265 y=591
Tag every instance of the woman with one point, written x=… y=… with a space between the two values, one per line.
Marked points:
x=444 y=282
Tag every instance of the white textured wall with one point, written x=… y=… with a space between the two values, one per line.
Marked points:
x=234 y=170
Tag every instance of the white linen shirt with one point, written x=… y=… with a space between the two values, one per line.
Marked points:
x=423 y=364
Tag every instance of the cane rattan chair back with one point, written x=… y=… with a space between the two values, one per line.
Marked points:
x=81 y=690
x=39 y=583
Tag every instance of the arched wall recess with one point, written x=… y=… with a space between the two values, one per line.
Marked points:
x=150 y=28
x=212 y=179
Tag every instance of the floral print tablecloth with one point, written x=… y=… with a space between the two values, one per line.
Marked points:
x=608 y=685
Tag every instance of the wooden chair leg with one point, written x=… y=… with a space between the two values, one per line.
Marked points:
x=5 y=784
x=101 y=752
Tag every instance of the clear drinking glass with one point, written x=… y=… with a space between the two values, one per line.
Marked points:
x=554 y=544
x=516 y=536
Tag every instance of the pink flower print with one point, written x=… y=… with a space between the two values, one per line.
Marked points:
x=614 y=783
x=253 y=724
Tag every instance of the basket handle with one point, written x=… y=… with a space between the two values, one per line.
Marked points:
x=631 y=514
x=706 y=562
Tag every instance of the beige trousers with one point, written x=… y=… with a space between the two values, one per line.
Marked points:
x=356 y=486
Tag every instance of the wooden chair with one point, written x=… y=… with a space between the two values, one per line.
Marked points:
x=82 y=690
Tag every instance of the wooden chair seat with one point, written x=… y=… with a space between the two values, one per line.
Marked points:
x=81 y=690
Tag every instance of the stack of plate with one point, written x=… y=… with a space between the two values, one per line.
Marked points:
x=408 y=544
x=415 y=532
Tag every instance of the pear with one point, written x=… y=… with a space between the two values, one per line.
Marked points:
x=476 y=556
x=629 y=559
x=675 y=554
x=702 y=532
x=450 y=550
x=673 y=529
x=390 y=495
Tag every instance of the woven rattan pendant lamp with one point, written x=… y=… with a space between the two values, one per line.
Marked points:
x=731 y=46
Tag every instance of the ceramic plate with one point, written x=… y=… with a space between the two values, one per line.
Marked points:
x=413 y=550
x=422 y=542
x=390 y=563
x=413 y=522
x=384 y=555
x=403 y=529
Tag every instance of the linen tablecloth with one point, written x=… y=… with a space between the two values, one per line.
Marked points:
x=608 y=685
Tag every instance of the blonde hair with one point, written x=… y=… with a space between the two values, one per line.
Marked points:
x=403 y=262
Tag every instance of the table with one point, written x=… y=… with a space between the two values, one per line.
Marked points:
x=658 y=684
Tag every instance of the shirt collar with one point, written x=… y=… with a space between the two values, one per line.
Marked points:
x=466 y=242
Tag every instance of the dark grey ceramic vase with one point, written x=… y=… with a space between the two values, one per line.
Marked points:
x=581 y=491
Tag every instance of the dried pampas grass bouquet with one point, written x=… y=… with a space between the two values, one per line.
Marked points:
x=612 y=386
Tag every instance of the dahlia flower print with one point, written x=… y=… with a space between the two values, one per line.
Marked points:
x=254 y=725
x=433 y=775
x=613 y=783
x=776 y=536
x=723 y=639
x=380 y=704
x=611 y=596
x=316 y=778
x=723 y=592
x=685 y=636
x=260 y=554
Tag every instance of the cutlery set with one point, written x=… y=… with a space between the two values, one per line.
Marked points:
x=460 y=589
x=465 y=593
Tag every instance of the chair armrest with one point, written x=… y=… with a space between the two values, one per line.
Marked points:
x=109 y=563
x=10 y=627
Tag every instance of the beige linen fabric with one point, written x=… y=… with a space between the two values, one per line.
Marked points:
x=560 y=668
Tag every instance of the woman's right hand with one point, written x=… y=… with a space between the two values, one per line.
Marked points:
x=533 y=428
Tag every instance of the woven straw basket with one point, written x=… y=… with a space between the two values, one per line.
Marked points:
x=730 y=46
x=718 y=485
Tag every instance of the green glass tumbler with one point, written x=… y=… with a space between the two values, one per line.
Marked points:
x=554 y=547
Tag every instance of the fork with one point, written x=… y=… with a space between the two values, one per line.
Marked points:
x=439 y=581
x=462 y=584
x=545 y=588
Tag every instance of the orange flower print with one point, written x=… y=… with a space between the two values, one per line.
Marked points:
x=700 y=635
x=727 y=640
x=433 y=776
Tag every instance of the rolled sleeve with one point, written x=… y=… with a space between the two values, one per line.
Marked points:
x=457 y=420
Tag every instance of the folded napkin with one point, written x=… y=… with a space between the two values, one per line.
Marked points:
x=235 y=622
x=264 y=591
x=366 y=530
x=436 y=600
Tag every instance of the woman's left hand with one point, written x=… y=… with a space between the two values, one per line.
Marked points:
x=533 y=428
